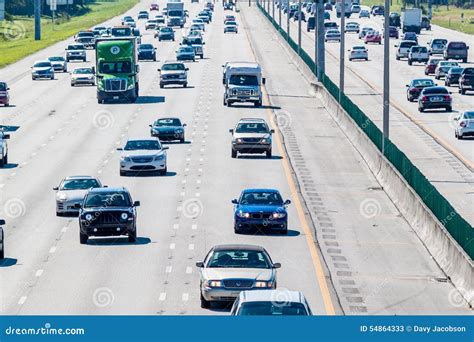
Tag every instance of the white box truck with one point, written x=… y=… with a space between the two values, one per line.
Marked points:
x=411 y=20
x=348 y=8
x=175 y=12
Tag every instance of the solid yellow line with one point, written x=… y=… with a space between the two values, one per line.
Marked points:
x=323 y=286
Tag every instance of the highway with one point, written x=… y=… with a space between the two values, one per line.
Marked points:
x=342 y=256
x=427 y=138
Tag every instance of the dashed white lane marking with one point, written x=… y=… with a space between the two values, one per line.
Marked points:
x=183 y=181
x=201 y=159
x=189 y=270
x=182 y=193
x=64 y=229
x=169 y=269
x=172 y=245
x=198 y=181
x=175 y=226
x=191 y=246
x=179 y=208
x=194 y=226
x=197 y=194
x=52 y=250
x=162 y=296
x=22 y=300
x=185 y=297
x=106 y=161
x=2 y=185
x=13 y=174
x=43 y=144
x=39 y=273
x=199 y=170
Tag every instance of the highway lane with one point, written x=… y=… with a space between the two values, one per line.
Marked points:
x=184 y=213
x=427 y=138
x=54 y=274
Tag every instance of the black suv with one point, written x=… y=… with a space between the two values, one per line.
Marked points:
x=108 y=212
x=466 y=80
x=2 y=240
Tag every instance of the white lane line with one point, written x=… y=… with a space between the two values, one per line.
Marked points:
x=2 y=185
x=52 y=250
x=199 y=170
x=185 y=297
x=64 y=229
x=175 y=226
x=198 y=181
x=189 y=270
x=194 y=226
x=182 y=193
x=39 y=273
x=183 y=181
x=191 y=246
x=169 y=269
x=179 y=208
x=13 y=174
x=172 y=245
x=197 y=194
x=162 y=296
x=22 y=300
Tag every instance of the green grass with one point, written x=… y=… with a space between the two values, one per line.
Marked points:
x=17 y=38
x=449 y=18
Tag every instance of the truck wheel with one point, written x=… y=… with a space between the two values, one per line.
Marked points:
x=132 y=236
x=161 y=85
x=233 y=153
x=258 y=103
x=410 y=62
x=185 y=85
x=202 y=56
x=205 y=304
x=5 y=160
x=83 y=238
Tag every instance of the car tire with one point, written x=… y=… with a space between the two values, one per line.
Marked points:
x=161 y=85
x=268 y=154
x=233 y=153
x=73 y=85
x=464 y=60
x=59 y=214
x=397 y=58
x=462 y=91
x=164 y=171
x=83 y=238
x=123 y=173
x=421 y=109
x=185 y=85
x=449 y=109
x=258 y=104
x=182 y=140
x=410 y=62
x=459 y=136
x=132 y=236
x=205 y=304
x=436 y=77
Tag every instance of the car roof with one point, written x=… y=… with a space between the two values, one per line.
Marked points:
x=172 y=62
x=116 y=189
x=144 y=138
x=435 y=88
x=41 y=61
x=238 y=246
x=252 y=120
x=270 y=295
x=79 y=177
x=260 y=189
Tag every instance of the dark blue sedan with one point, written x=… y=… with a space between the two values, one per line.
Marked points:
x=262 y=210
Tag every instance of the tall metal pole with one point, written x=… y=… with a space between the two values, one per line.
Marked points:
x=314 y=13
x=273 y=9
x=342 y=47
x=320 y=40
x=299 y=27
x=37 y=5
x=288 y=20
x=279 y=13
x=386 y=76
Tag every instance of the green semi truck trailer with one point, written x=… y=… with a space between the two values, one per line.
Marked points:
x=117 y=69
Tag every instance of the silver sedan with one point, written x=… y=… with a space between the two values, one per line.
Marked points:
x=229 y=269
x=72 y=191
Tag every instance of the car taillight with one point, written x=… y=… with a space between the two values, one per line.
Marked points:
x=424 y=99
x=462 y=124
x=447 y=97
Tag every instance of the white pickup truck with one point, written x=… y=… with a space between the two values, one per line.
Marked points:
x=3 y=148
x=418 y=54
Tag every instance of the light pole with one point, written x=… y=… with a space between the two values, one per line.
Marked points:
x=288 y=20
x=37 y=19
x=342 y=50
x=299 y=27
x=273 y=9
x=314 y=11
x=279 y=14
x=386 y=76
x=320 y=39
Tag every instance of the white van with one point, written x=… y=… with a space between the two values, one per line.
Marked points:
x=242 y=81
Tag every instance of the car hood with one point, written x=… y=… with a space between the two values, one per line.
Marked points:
x=81 y=75
x=172 y=72
x=72 y=195
x=58 y=63
x=41 y=69
x=261 y=208
x=239 y=273
x=141 y=153
x=251 y=135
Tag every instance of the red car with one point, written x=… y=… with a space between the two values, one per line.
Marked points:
x=372 y=37
x=154 y=7
x=4 y=96
x=431 y=65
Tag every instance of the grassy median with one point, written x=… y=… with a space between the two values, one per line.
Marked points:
x=17 y=38
x=451 y=17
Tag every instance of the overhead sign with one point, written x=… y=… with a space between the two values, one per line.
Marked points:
x=2 y=9
x=59 y=2
x=53 y=5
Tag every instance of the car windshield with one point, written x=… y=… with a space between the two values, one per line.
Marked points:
x=82 y=71
x=115 y=67
x=56 y=59
x=133 y=145
x=407 y=44
x=469 y=115
x=42 y=65
x=186 y=49
x=167 y=122
x=457 y=45
x=418 y=49
x=79 y=184
x=272 y=309
x=358 y=48
x=121 y=32
x=173 y=67
x=192 y=41
x=3 y=86
x=261 y=198
x=145 y=47
x=107 y=199
x=166 y=29
x=75 y=47
x=238 y=259
x=455 y=70
x=468 y=71
x=435 y=90
x=243 y=80
x=253 y=127
x=423 y=83
x=231 y=23
x=447 y=64
x=85 y=34
x=434 y=61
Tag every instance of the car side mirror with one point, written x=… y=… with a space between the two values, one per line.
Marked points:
x=200 y=264
x=187 y=69
x=6 y=136
x=287 y=202
x=272 y=131
x=456 y=119
x=450 y=92
x=231 y=130
x=396 y=45
x=158 y=69
x=119 y=149
x=136 y=203
x=184 y=125
x=165 y=148
x=276 y=265
x=56 y=188
x=77 y=206
x=8 y=88
x=234 y=201
x=2 y=222
x=406 y=85
x=264 y=80
x=150 y=125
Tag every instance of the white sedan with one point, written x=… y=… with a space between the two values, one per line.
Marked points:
x=332 y=35
x=464 y=125
x=358 y=52
x=143 y=154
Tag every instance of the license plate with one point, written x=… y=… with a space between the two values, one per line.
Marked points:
x=116 y=97
x=436 y=99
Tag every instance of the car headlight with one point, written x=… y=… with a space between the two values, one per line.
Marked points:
x=131 y=86
x=90 y=77
x=124 y=216
x=214 y=283
x=88 y=217
x=238 y=140
x=125 y=159
x=265 y=141
x=160 y=157
x=179 y=131
x=263 y=284
x=278 y=215
x=62 y=197
x=243 y=214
